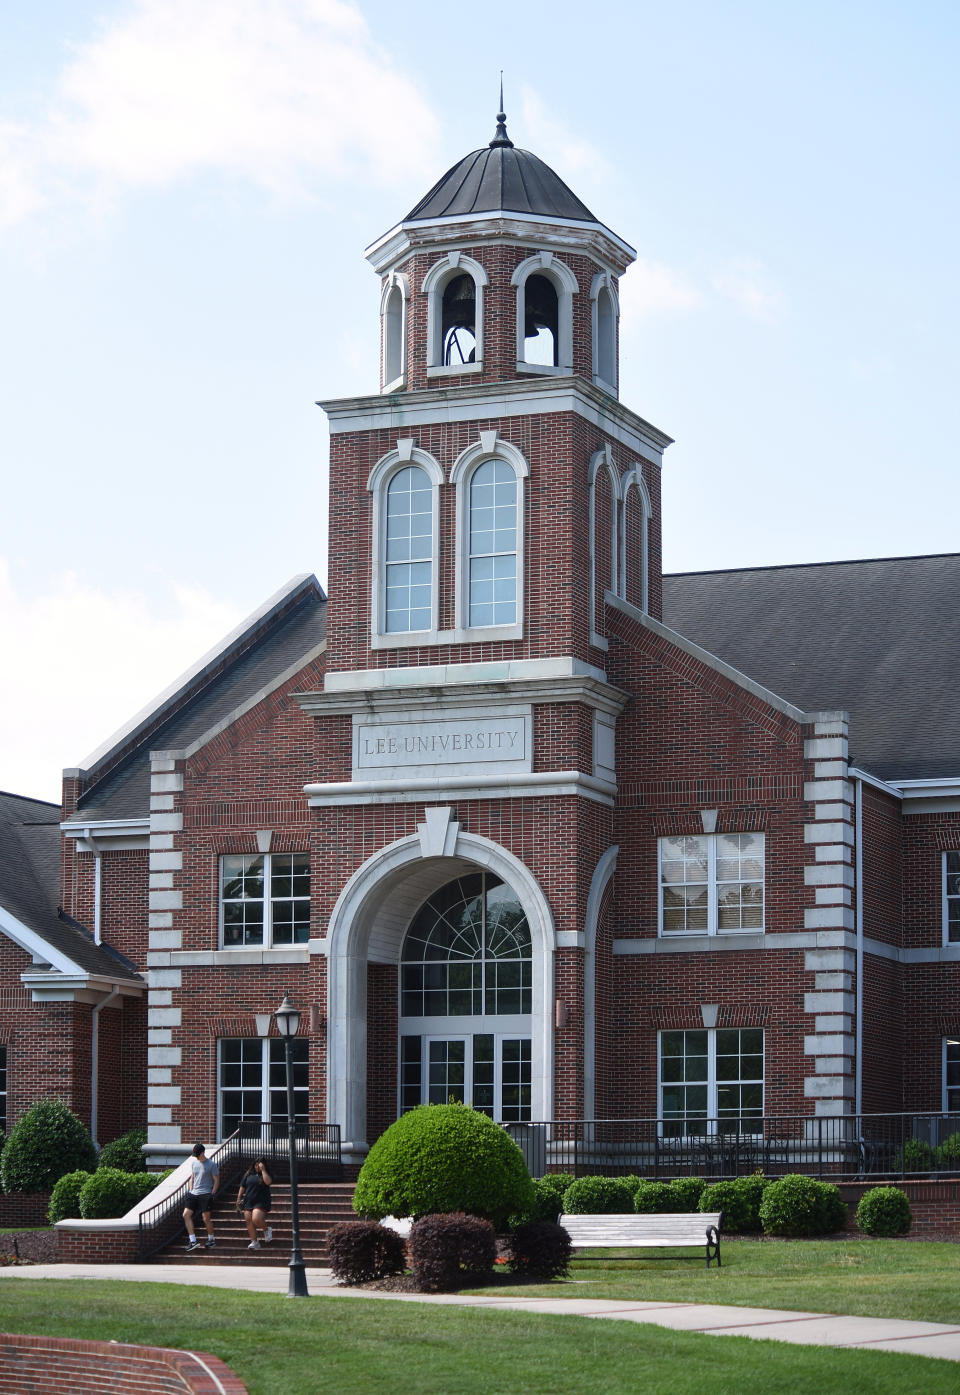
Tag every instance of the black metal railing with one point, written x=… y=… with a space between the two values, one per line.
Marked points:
x=835 y=1147
x=318 y=1160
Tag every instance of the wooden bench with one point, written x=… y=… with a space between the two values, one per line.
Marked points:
x=664 y=1229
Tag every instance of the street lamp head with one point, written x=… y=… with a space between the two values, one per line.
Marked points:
x=288 y=1018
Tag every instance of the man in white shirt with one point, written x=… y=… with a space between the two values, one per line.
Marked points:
x=204 y=1181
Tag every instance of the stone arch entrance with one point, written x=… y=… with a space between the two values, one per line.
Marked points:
x=368 y=925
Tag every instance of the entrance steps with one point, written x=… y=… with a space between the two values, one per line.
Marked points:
x=322 y=1204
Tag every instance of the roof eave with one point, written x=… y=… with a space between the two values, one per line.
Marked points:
x=395 y=244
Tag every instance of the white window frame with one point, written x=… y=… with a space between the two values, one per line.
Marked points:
x=265 y=1116
x=945 y=1093
x=946 y=898
x=711 y=1112
x=603 y=468
x=267 y=941
x=711 y=839
x=604 y=283
x=395 y=283
x=566 y=286
x=489 y=447
x=633 y=479
x=404 y=454
x=430 y=1029
x=434 y=284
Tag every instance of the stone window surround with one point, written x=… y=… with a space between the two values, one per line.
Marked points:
x=434 y=283
x=709 y=1012
x=395 y=282
x=712 y=884
x=565 y=284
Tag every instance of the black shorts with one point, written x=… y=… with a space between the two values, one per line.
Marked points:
x=202 y=1203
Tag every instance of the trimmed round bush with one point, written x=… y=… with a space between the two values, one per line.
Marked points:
x=45 y=1143
x=540 y=1250
x=598 y=1196
x=139 y=1185
x=65 y=1197
x=361 y=1251
x=948 y=1154
x=799 y=1205
x=125 y=1152
x=444 y=1158
x=739 y=1199
x=448 y=1250
x=632 y=1181
x=653 y=1197
x=884 y=1211
x=548 y=1192
x=687 y=1192
x=106 y=1194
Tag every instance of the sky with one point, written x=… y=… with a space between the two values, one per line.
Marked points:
x=186 y=190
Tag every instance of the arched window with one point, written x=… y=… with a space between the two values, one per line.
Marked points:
x=604 y=481
x=605 y=315
x=545 y=291
x=405 y=487
x=466 y=998
x=634 y=539
x=454 y=289
x=393 y=314
x=489 y=480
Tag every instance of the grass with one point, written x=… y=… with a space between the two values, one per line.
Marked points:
x=358 y=1346
x=876 y=1278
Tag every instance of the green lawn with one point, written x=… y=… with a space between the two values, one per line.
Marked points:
x=878 y=1278
x=358 y=1347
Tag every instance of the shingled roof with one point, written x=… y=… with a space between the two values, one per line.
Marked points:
x=878 y=638
x=29 y=884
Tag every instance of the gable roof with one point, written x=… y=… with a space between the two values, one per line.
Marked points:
x=879 y=638
x=29 y=885
x=285 y=630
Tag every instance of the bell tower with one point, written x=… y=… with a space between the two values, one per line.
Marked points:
x=487 y=506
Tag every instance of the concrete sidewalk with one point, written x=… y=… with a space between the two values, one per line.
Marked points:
x=815 y=1329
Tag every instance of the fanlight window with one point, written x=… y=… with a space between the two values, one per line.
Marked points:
x=459 y=320
x=409 y=564
x=541 y=321
x=468 y=953
x=492 y=578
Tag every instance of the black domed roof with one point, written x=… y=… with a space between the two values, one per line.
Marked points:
x=500 y=178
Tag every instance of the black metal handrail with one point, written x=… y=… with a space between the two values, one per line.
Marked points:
x=834 y=1147
x=318 y=1159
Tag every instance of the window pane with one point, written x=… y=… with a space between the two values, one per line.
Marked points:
x=953 y=896
x=492 y=569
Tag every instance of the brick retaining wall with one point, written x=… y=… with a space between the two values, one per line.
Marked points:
x=97 y=1246
x=934 y=1205
x=50 y=1365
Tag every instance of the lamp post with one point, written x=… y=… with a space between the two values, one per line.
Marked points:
x=288 y=1020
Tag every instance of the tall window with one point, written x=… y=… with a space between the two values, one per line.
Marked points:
x=711 y=883
x=466 y=990
x=951 y=897
x=459 y=321
x=253 y=1082
x=264 y=899
x=541 y=321
x=454 y=289
x=711 y=1081
x=393 y=314
x=3 y=1089
x=951 y=1075
x=409 y=551
x=492 y=583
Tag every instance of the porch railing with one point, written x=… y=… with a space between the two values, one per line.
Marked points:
x=318 y=1160
x=834 y=1148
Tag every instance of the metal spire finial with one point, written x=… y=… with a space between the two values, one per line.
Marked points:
x=500 y=137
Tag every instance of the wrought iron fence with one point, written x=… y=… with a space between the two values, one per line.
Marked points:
x=835 y=1147
x=318 y=1160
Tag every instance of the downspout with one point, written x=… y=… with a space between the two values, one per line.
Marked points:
x=858 y=1086
x=95 y=1055
x=97 y=866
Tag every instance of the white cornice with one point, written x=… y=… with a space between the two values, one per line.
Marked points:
x=536 y=229
x=929 y=796
x=535 y=785
x=855 y=773
x=108 y=835
x=434 y=675
x=78 y=987
x=447 y=693
x=404 y=411
x=749 y=942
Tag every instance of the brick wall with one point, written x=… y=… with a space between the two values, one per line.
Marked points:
x=36 y=1365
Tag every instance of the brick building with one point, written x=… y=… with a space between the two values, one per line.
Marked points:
x=512 y=816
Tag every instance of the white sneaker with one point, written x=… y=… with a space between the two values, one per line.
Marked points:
x=193 y=1243
x=268 y=1235
x=254 y=1245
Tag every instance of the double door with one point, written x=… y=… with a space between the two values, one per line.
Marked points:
x=488 y=1070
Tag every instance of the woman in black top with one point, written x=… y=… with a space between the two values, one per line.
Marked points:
x=253 y=1199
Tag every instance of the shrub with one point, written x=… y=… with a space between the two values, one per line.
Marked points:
x=917 y=1156
x=687 y=1192
x=363 y=1250
x=444 y=1158
x=65 y=1197
x=739 y=1199
x=108 y=1193
x=653 y=1196
x=802 y=1206
x=598 y=1196
x=125 y=1152
x=540 y=1250
x=548 y=1194
x=948 y=1154
x=44 y=1144
x=446 y=1249
x=632 y=1181
x=139 y=1185
x=884 y=1211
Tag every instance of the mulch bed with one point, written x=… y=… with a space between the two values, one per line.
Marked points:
x=29 y=1247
